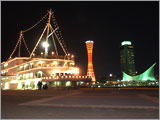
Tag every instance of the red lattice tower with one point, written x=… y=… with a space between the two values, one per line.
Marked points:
x=90 y=71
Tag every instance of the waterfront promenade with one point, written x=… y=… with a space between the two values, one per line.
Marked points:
x=99 y=103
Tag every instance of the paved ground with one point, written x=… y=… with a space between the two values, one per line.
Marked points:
x=80 y=104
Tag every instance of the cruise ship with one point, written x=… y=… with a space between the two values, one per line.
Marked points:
x=22 y=73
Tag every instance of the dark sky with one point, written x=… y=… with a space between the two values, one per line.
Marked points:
x=106 y=23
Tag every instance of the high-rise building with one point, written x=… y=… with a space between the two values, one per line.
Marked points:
x=90 y=71
x=127 y=58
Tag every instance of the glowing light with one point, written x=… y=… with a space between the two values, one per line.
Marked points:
x=76 y=71
x=31 y=63
x=41 y=53
x=27 y=82
x=14 y=81
x=55 y=71
x=68 y=83
x=41 y=62
x=89 y=41
x=36 y=82
x=47 y=65
x=19 y=85
x=52 y=53
x=21 y=66
x=55 y=63
x=6 y=86
x=6 y=64
x=27 y=75
x=126 y=43
x=45 y=44
x=81 y=82
x=110 y=75
x=31 y=75
x=90 y=71
x=147 y=75
x=43 y=83
x=39 y=72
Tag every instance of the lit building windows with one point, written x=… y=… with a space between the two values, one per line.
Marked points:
x=127 y=58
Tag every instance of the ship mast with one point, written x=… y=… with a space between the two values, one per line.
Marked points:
x=46 y=45
x=55 y=34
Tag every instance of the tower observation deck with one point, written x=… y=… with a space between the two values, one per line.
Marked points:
x=90 y=71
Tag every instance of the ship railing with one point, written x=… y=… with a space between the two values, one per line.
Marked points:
x=54 y=57
x=66 y=77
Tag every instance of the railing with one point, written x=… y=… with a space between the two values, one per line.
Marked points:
x=54 y=57
x=66 y=77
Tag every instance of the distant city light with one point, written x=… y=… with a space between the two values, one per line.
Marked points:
x=110 y=75
x=126 y=43
x=89 y=41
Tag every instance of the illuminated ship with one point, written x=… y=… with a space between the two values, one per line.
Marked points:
x=48 y=67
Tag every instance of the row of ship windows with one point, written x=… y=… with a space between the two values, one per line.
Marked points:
x=42 y=64
x=26 y=67
x=40 y=74
x=45 y=64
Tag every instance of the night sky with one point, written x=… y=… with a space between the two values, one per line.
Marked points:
x=106 y=23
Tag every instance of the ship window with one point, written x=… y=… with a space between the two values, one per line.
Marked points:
x=26 y=66
x=5 y=65
x=40 y=63
x=39 y=74
x=55 y=63
x=27 y=75
x=21 y=77
x=24 y=76
x=31 y=65
x=31 y=75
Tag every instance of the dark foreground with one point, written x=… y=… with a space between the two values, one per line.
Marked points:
x=80 y=104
